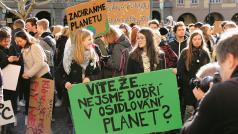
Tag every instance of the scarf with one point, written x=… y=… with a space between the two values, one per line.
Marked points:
x=88 y=55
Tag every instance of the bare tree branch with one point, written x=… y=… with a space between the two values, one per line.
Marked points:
x=29 y=10
x=10 y=10
x=24 y=7
x=4 y=6
x=42 y=3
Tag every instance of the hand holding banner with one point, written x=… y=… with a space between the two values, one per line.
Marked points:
x=141 y=103
x=6 y=113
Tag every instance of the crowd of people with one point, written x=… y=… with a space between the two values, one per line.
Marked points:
x=191 y=51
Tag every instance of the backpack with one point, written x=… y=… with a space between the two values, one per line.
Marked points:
x=50 y=50
x=123 y=61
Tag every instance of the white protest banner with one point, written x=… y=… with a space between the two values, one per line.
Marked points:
x=10 y=76
x=6 y=113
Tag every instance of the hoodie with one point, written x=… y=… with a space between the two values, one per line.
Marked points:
x=176 y=46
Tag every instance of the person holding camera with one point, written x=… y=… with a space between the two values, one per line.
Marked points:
x=191 y=59
x=218 y=111
x=206 y=76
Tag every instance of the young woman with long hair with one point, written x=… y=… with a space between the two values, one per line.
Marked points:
x=80 y=61
x=191 y=59
x=147 y=56
x=35 y=65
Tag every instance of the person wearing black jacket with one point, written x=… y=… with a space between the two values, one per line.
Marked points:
x=146 y=57
x=192 y=58
x=15 y=50
x=5 y=59
x=80 y=62
x=179 y=42
x=218 y=111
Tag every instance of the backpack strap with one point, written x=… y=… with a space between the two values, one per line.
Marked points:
x=123 y=61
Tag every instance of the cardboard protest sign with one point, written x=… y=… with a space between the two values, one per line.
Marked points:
x=10 y=76
x=6 y=113
x=137 y=12
x=141 y=103
x=40 y=106
x=217 y=27
x=1 y=86
x=91 y=15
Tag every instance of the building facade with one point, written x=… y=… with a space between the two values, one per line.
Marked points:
x=205 y=10
x=182 y=10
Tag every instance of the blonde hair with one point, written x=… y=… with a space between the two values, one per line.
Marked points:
x=79 y=49
x=57 y=29
x=65 y=31
x=44 y=23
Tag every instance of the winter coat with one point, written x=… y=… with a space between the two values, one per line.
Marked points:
x=3 y=57
x=75 y=75
x=112 y=65
x=200 y=58
x=15 y=50
x=170 y=55
x=218 y=111
x=60 y=45
x=134 y=66
x=35 y=61
x=69 y=71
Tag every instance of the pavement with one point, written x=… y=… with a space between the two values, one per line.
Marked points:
x=61 y=125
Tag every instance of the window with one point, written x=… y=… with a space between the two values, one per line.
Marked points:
x=194 y=1
x=215 y=1
x=180 y=2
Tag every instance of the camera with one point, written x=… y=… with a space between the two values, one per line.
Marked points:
x=204 y=84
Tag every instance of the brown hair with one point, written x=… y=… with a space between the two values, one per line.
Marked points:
x=127 y=28
x=204 y=29
x=113 y=34
x=156 y=22
x=152 y=50
x=189 y=48
x=134 y=31
x=4 y=33
x=19 y=23
x=26 y=36
x=32 y=20
x=178 y=24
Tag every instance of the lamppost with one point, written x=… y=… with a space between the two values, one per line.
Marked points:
x=209 y=12
x=162 y=9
